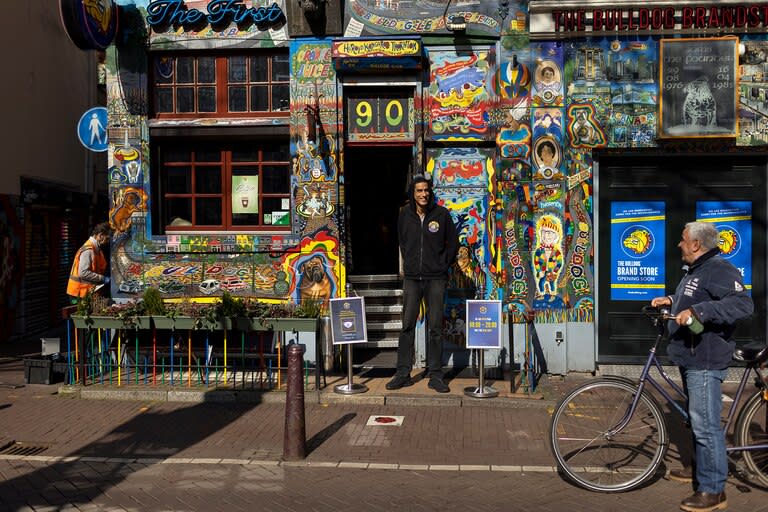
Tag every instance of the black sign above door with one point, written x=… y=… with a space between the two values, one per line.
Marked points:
x=376 y=116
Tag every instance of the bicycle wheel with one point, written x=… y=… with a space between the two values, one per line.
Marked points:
x=752 y=429
x=594 y=457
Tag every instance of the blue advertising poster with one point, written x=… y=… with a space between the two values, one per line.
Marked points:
x=348 y=320
x=637 y=250
x=733 y=220
x=483 y=324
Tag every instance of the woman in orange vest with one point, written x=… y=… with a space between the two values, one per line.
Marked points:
x=90 y=266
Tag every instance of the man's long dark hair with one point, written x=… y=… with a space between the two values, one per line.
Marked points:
x=420 y=178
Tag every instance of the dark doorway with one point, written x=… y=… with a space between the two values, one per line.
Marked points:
x=375 y=179
x=679 y=183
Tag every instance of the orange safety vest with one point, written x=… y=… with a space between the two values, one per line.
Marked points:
x=77 y=287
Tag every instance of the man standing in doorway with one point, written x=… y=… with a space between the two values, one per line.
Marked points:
x=708 y=302
x=428 y=243
x=90 y=266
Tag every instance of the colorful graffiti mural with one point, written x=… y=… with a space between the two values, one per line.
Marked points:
x=465 y=184
x=461 y=95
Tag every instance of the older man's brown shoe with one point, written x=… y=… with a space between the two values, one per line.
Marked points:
x=684 y=475
x=704 y=502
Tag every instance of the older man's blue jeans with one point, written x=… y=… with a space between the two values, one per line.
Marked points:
x=433 y=293
x=704 y=408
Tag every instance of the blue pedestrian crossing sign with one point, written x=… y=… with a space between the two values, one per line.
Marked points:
x=92 y=129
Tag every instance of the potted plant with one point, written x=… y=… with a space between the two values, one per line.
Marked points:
x=154 y=308
x=229 y=309
x=189 y=315
x=284 y=316
x=89 y=313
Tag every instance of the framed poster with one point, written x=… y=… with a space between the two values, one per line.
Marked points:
x=348 y=320
x=483 y=324
x=698 y=89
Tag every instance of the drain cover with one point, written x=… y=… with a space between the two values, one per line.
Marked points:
x=19 y=448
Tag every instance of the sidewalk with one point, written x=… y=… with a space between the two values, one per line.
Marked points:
x=499 y=444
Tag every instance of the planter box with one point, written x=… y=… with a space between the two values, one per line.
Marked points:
x=277 y=324
x=186 y=323
x=163 y=322
x=97 y=322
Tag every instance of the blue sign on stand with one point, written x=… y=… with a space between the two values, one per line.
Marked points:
x=483 y=324
x=348 y=320
x=92 y=129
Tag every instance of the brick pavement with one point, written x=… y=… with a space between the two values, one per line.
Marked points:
x=160 y=455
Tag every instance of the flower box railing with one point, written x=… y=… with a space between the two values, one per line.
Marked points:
x=159 y=351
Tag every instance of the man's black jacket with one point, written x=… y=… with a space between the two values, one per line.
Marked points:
x=429 y=246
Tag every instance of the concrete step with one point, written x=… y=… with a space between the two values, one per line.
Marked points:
x=386 y=309
x=394 y=325
x=377 y=292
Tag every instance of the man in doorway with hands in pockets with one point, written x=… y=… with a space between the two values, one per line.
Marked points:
x=429 y=244
x=707 y=303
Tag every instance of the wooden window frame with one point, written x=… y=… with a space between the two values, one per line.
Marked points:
x=221 y=85
x=226 y=164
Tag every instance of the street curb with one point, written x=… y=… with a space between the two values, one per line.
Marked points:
x=275 y=397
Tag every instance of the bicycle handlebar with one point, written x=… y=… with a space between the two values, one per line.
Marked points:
x=658 y=314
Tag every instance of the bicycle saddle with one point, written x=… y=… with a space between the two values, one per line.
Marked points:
x=754 y=354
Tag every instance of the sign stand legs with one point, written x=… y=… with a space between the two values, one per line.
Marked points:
x=481 y=391
x=349 y=388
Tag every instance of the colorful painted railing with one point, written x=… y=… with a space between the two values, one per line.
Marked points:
x=160 y=351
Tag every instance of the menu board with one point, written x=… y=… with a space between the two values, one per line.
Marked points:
x=377 y=117
x=698 y=87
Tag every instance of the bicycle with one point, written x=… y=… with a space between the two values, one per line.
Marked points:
x=610 y=434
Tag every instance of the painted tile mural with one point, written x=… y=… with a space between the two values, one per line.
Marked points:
x=409 y=17
x=317 y=270
x=753 y=94
x=461 y=94
x=612 y=92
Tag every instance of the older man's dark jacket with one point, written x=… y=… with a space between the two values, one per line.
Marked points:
x=714 y=290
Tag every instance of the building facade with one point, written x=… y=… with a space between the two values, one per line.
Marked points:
x=265 y=149
x=50 y=184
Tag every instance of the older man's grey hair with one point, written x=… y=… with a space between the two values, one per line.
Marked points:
x=704 y=232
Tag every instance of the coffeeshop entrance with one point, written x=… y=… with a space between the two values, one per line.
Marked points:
x=643 y=205
x=375 y=181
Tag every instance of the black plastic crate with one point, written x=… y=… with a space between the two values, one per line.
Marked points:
x=43 y=371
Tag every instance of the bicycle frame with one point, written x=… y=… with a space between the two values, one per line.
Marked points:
x=646 y=377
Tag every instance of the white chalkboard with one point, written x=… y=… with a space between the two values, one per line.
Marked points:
x=698 y=87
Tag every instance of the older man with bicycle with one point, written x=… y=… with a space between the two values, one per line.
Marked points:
x=707 y=303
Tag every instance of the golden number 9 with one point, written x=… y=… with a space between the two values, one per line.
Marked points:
x=364 y=114
x=394 y=121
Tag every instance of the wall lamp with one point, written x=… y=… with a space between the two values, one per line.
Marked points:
x=457 y=23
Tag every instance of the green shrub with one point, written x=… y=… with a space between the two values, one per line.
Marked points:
x=153 y=302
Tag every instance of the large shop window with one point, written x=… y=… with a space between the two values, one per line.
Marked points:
x=233 y=85
x=243 y=186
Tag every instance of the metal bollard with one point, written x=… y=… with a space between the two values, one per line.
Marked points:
x=294 y=438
